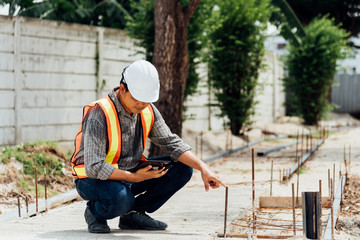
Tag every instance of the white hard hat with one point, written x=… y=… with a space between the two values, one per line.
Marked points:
x=142 y=80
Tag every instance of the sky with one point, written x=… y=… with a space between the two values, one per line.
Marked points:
x=4 y=10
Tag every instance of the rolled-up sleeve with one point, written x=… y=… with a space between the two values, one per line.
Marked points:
x=95 y=140
x=169 y=142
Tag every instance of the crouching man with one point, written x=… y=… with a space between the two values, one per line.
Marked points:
x=110 y=144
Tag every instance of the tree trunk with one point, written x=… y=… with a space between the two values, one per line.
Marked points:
x=171 y=60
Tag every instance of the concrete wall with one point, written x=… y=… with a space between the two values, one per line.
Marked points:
x=49 y=70
x=345 y=93
x=269 y=95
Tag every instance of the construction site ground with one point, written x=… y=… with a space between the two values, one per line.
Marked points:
x=195 y=214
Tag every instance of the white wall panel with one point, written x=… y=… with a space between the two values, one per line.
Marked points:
x=56 y=64
x=6 y=43
x=6 y=61
x=67 y=48
x=6 y=25
x=51 y=98
x=114 y=67
x=7 y=99
x=7 y=117
x=50 y=133
x=50 y=116
x=59 y=81
x=7 y=80
x=7 y=136
x=119 y=52
x=58 y=30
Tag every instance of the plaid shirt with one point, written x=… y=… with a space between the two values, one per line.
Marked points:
x=94 y=142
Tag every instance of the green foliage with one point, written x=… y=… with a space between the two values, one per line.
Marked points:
x=285 y=19
x=110 y=13
x=311 y=67
x=33 y=155
x=141 y=26
x=236 y=51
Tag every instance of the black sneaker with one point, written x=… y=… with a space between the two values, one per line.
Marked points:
x=95 y=225
x=140 y=220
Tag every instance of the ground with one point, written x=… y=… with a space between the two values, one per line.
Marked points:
x=236 y=169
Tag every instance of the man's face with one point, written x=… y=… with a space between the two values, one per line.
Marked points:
x=130 y=104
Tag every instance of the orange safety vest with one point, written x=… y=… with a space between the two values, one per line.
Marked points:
x=114 y=133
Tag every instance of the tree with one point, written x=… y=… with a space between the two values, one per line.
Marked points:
x=110 y=13
x=285 y=19
x=141 y=27
x=345 y=13
x=14 y=4
x=171 y=59
x=311 y=67
x=237 y=48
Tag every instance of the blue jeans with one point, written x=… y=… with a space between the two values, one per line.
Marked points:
x=109 y=199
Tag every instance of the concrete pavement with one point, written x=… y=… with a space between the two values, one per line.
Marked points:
x=191 y=214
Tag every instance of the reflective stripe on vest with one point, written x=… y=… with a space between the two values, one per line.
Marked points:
x=114 y=133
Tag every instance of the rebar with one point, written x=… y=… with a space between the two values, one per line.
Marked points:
x=293 y=207
x=349 y=157
x=226 y=209
x=45 y=183
x=329 y=182
x=27 y=205
x=253 y=189
x=271 y=179
x=36 y=191
x=18 y=203
x=201 y=145
x=333 y=180
x=320 y=193
x=297 y=141
x=332 y=212
x=298 y=182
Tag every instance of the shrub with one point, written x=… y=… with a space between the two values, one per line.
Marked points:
x=311 y=68
x=236 y=51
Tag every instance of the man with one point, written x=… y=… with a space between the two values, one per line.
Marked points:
x=109 y=145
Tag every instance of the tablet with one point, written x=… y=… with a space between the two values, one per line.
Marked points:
x=156 y=164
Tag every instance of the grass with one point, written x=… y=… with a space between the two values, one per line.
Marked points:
x=34 y=155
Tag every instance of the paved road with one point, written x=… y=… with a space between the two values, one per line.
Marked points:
x=191 y=214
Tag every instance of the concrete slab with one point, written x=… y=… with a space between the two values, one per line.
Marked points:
x=191 y=214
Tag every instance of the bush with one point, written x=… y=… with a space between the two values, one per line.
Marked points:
x=34 y=154
x=236 y=51
x=311 y=68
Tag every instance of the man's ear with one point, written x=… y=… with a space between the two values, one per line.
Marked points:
x=122 y=89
